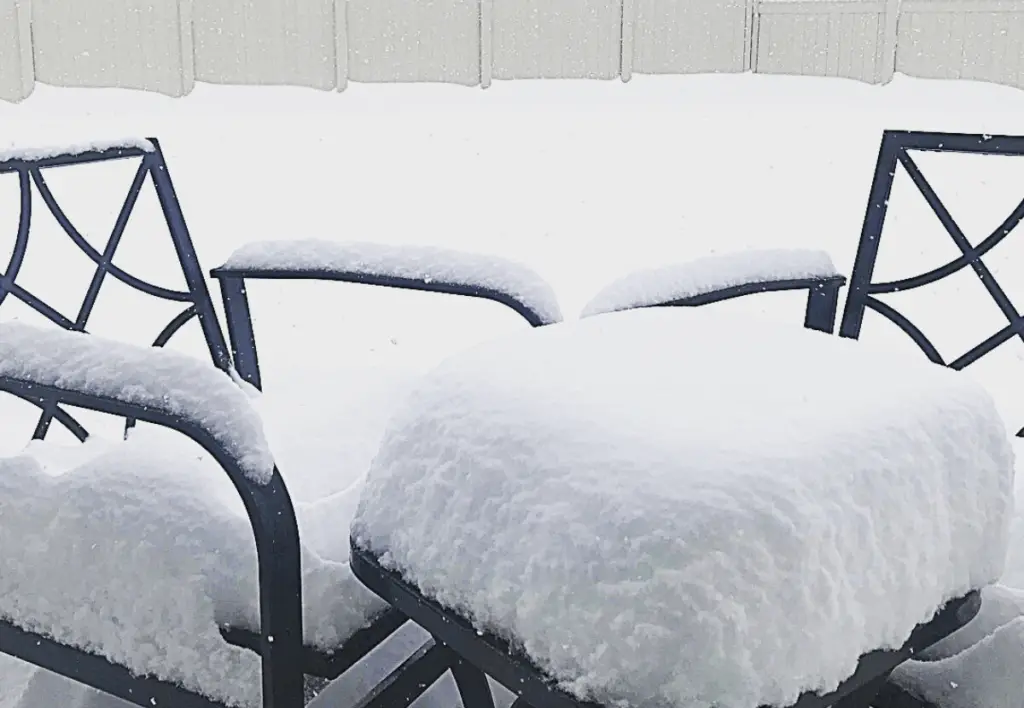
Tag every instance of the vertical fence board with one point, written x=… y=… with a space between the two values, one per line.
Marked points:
x=557 y=39
x=412 y=40
x=136 y=44
x=16 y=73
x=290 y=42
x=697 y=36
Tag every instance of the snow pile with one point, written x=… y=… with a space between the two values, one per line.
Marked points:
x=159 y=561
x=982 y=665
x=658 y=286
x=659 y=517
x=407 y=261
x=160 y=380
x=32 y=154
x=156 y=540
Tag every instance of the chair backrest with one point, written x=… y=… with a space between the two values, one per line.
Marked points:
x=31 y=168
x=896 y=150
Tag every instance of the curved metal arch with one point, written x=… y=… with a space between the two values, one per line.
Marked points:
x=51 y=411
x=176 y=323
x=21 y=239
x=95 y=256
x=908 y=327
x=987 y=244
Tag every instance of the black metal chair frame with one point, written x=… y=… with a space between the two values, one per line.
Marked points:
x=285 y=660
x=894 y=151
x=509 y=666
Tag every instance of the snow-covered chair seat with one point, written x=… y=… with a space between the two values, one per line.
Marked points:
x=668 y=507
x=148 y=549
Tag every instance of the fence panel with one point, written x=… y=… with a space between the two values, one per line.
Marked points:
x=842 y=39
x=166 y=45
x=16 y=75
x=412 y=40
x=696 y=36
x=289 y=42
x=565 y=39
x=956 y=39
x=140 y=44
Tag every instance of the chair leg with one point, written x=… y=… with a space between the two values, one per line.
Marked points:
x=892 y=696
x=864 y=696
x=473 y=687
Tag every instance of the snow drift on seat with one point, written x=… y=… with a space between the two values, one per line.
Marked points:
x=670 y=507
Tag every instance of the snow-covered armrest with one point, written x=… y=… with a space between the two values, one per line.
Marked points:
x=722 y=277
x=147 y=383
x=424 y=268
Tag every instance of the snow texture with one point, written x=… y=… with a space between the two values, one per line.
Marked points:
x=989 y=672
x=159 y=547
x=662 y=285
x=412 y=262
x=981 y=665
x=660 y=512
x=42 y=153
x=160 y=380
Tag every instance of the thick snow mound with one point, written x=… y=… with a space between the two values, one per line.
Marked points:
x=425 y=263
x=672 y=507
x=140 y=550
x=665 y=284
x=981 y=665
x=157 y=379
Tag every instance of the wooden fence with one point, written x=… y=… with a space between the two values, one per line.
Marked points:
x=169 y=45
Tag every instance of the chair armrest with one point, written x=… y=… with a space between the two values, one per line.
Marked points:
x=421 y=268
x=723 y=277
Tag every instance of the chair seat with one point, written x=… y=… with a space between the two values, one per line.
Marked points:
x=148 y=549
x=673 y=507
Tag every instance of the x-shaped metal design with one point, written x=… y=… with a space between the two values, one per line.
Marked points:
x=895 y=151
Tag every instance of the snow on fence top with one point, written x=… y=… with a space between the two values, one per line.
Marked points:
x=42 y=153
x=161 y=380
x=675 y=507
x=424 y=263
x=682 y=280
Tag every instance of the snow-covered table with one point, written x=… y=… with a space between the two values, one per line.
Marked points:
x=669 y=507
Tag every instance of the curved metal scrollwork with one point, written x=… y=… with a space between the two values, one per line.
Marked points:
x=152 y=165
x=893 y=152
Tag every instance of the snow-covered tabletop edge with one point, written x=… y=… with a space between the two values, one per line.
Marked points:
x=157 y=379
x=411 y=263
x=31 y=154
x=678 y=281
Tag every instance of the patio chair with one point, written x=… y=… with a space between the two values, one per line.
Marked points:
x=258 y=645
x=275 y=633
x=896 y=154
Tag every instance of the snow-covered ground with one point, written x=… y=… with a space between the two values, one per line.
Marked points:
x=581 y=181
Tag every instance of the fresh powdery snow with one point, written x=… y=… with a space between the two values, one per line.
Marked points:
x=160 y=380
x=411 y=262
x=981 y=665
x=158 y=545
x=159 y=561
x=660 y=513
x=42 y=153
x=662 y=285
